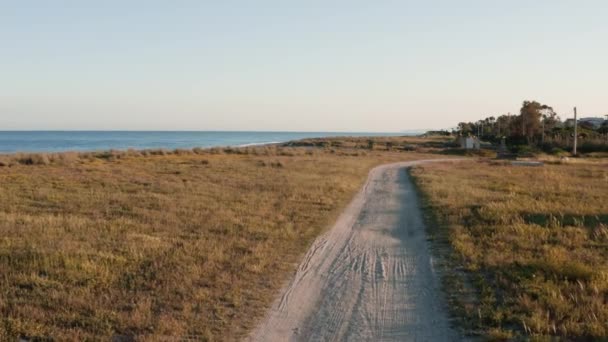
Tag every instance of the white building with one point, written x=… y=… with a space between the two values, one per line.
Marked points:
x=469 y=143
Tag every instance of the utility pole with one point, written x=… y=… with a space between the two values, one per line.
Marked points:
x=575 y=133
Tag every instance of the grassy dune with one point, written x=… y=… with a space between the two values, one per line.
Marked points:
x=153 y=244
x=533 y=242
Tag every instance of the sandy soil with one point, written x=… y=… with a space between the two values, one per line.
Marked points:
x=369 y=278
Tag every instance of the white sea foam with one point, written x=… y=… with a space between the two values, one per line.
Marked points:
x=260 y=143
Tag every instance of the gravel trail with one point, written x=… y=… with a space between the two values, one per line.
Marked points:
x=369 y=278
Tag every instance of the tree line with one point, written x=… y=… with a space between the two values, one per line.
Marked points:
x=537 y=126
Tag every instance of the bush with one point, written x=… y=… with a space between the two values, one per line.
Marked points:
x=557 y=151
x=516 y=141
x=157 y=152
x=524 y=149
x=108 y=155
x=133 y=153
x=67 y=157
x=589 y=146
x=451 y=144
x=33 y=159
x=182 y=152
x=198 y=150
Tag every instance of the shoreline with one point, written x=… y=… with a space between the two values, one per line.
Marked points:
x=196 y=147
x=167 y=150
x=14 y=142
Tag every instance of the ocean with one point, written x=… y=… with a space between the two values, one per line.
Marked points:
x=56 y=141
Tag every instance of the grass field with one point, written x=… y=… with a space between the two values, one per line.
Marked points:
x=153 y=244
x=532 y=243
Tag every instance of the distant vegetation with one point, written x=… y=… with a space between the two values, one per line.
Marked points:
x=531 y=242
x=538 y=127
x=424 y=144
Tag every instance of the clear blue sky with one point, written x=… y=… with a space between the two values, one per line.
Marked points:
x=286 y=65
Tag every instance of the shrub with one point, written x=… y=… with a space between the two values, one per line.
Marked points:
x=593 y=146
x=557 y=151
x=287 y=153
x=67 y=157
x=182 y=152
x=33 y=159
x=198 y=150
x=158 y=152
x=108 y=155
x=133 y=153
x=524 y=149
x=216 y=150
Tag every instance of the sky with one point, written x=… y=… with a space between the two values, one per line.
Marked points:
x=365 y=66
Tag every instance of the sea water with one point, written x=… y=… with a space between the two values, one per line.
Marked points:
x=54 y=141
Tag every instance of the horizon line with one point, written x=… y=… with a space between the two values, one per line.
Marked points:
x=218 y=131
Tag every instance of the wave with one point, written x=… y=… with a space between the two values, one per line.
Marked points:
x=259 y=143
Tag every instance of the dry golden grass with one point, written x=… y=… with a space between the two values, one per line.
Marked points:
x=149 y=244
x=533 y=242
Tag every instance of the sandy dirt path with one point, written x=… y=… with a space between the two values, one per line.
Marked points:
x=369 y=278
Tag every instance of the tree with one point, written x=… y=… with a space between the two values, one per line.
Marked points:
x=492 y=125
x=503 y=125
x=604 y=128
x=530 y=119
x=550 y=121
x=465 y=128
